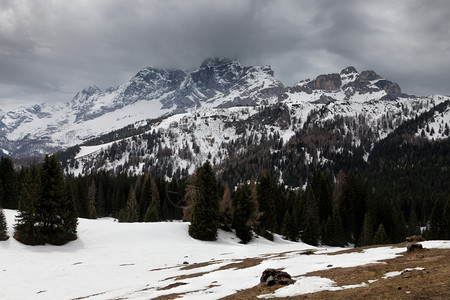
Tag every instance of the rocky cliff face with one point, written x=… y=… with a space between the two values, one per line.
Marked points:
x=218 y=83
x=151 y=93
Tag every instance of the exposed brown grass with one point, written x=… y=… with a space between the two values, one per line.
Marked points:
x=431 y=283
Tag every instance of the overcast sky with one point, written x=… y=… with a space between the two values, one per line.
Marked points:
x=49 y=50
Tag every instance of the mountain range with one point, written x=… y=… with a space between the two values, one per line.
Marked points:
x=170 y=121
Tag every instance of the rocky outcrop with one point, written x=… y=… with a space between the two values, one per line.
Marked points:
x=330 y=82
x=348 y=70
x=272 y=276
x=414 y=247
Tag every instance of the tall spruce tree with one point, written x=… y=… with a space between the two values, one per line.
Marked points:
x=380 y=236
x=92 y=191
x=244 y=211
x=46 y=215
x=311 y=226
x=130 y=212
x=334 y=234
x=367 y=231
x=69 y=214
x=226 y=210
x=8 y=179
x=352 y=205
x=27 y=228
x=323 y=193
x=446 y=218
x=437 y=223
x=60 y=215
x=266 y=191
x=205 y=209
x=3 y=227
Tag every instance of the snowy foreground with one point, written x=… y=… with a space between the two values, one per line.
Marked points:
x=113 y=260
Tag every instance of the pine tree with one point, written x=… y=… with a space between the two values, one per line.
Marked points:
x=69 y=213
x=334 y=234
x=3 y=227
x=244 y=212
x=437 y=227
x=322 y=189
x=151 y=214
x=205 y=209
x=352 y=205
x=92 y=191
x=55 y=211
x=413 y=223
x=367 y=234
x=289 y=227
x=266 y=191
x=27 y=227
x=446 y=218
x=226 y=210
x=380 y=236
x=8 y=179
x=131 y=213
x=149 y=196
x=311 y=226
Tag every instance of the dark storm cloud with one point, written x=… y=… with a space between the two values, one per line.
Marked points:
x=49 y=50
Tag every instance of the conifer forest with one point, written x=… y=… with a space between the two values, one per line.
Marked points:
x=401 y=192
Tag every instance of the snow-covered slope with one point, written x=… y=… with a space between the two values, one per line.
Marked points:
x=151 y=93
x=219 y=110
x=359 y=106
x=111 y=260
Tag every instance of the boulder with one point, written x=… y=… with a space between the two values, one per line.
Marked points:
x=273 y=276
x=413 y=247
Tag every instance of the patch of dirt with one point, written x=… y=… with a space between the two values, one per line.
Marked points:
x=242 y=264
x=431 y=283
x=171 y=286
x=199 y=265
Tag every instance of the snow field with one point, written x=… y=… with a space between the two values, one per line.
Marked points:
x=113 y=260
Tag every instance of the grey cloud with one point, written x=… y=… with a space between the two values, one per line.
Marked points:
x=50 y=50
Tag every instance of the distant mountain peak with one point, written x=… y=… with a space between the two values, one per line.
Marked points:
x=218 y=61
x=218 y=83
x=348 y=70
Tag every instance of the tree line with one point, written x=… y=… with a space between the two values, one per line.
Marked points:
x=333 y=210
x=44 y=203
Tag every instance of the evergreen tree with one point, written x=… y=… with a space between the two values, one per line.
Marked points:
x=130 y=213
x=266 y=191
x=437 y=227
x=205 y=209
x=289 y=228
x=8 y=179
x=92 y=191
x=69 y=213
x=26 y=228
x=334 y=234
x=367 y=234
x=55 y=212
x=446 y=218
x=226 y=210
x=413 y=223
x=323 y=193
x=145 y=198
x=311 y=227
x=352 y=205
x=244 y=212
x=3 y=227
x=380 y=236
x=151 y=214
x=1 y=191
